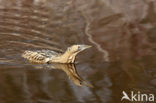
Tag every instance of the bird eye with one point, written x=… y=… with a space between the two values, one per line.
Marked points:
x=68 y=48
x=79 y=48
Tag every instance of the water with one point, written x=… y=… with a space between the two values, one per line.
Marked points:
x=122 y=33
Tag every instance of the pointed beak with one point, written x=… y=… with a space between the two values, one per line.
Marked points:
x=83 y=47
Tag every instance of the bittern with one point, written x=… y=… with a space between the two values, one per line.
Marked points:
x=48 y=56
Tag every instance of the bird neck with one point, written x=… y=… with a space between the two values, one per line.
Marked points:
x=67 y=57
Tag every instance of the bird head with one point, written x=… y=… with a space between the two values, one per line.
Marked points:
x=78 y=48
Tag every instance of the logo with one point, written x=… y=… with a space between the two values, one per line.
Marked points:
x=137 y=96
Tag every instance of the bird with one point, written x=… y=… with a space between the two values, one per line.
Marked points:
x=49 y=56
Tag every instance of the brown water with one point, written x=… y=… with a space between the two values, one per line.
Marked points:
x=123 y=56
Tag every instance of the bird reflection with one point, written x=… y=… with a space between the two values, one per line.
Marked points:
x=71 y=72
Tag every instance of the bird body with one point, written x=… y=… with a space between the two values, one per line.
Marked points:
x=40 y=56
x=48 y=56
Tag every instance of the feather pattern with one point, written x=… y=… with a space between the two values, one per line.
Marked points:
x=39 y=56
x=48 y=56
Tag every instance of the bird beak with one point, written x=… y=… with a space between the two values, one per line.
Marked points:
x=83 y=47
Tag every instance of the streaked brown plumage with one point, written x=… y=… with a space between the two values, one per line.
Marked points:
x=48 y=56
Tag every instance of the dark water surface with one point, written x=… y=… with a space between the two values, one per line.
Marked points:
x=123 y=56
